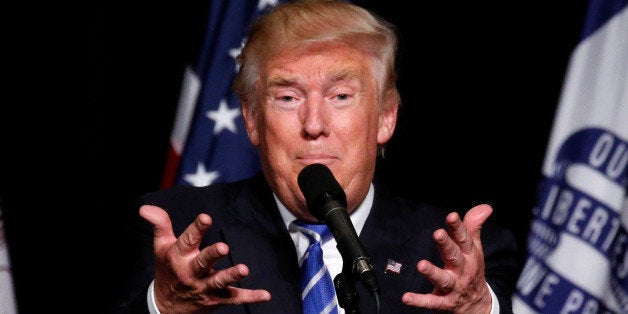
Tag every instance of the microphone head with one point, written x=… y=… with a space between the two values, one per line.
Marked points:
x=319 y=186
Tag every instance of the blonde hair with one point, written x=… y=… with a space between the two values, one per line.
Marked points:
x=306 y=22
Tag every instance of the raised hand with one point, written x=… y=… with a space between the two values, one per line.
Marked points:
x=185 y=280
x=460 y=286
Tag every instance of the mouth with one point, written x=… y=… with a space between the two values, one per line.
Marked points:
x=317 y=159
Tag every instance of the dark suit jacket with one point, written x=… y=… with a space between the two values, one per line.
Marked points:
x=246 y=217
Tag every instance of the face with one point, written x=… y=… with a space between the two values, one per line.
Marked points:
x=319 y=105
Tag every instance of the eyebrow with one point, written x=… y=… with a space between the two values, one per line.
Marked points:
x=345 y=75
x=281 y=81
x=288 y=80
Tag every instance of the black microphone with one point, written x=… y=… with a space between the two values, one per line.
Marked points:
x=327 y=201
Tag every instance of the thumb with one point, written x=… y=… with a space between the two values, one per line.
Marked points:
x=475 y=218
x=162 y=226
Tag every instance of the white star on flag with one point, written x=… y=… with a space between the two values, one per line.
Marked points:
x=202 y=177
x=262 y=4
x=234 y=52
x=224 y=117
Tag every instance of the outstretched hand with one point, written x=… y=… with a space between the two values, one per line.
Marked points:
x=460 y=286
x=185 y=280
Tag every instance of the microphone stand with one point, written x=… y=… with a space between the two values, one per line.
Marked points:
x=348 y=297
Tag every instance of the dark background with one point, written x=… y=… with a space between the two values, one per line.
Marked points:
x=86 y=131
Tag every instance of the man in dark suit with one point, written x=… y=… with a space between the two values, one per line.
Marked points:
x=317 y=85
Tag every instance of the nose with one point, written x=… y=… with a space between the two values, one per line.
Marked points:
x=314 y=116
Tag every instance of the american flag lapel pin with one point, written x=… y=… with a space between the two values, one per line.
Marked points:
x=393 y=266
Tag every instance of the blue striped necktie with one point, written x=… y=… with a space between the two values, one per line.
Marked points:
x=317 y=288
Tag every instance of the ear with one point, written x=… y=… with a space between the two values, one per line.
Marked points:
x=251 y=124
x=387 y=121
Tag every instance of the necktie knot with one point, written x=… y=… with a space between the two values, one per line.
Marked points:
x=314 y=231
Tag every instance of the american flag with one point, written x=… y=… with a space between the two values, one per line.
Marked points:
x=393 y=266
x=208 y=143
x=577 y=249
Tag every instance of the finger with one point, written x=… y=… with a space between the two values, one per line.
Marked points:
x=476 y=216
x=242 y=296
x=219 y=289
x=443 y=283
x=442 y=280
x=158 y=218
x=474 y=219
x=233 y=296
x=450 y=252
x=459 y=233
x=226 y=277
x=162 y=227
x=190 y=239
x=427 y=301
x=207 y=258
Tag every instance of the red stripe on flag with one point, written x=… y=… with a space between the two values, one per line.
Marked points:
x=171 y=168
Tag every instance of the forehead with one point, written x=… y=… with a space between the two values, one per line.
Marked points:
x=323 y=61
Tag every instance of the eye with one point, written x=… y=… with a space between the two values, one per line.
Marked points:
x=342 y=96
x=286 y=98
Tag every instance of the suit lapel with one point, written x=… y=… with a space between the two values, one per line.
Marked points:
x=391 y=233
x=259 y=239
x=382 y=244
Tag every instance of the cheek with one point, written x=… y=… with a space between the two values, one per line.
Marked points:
x=277 y=130
x=359 y=133
x=368 y=125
